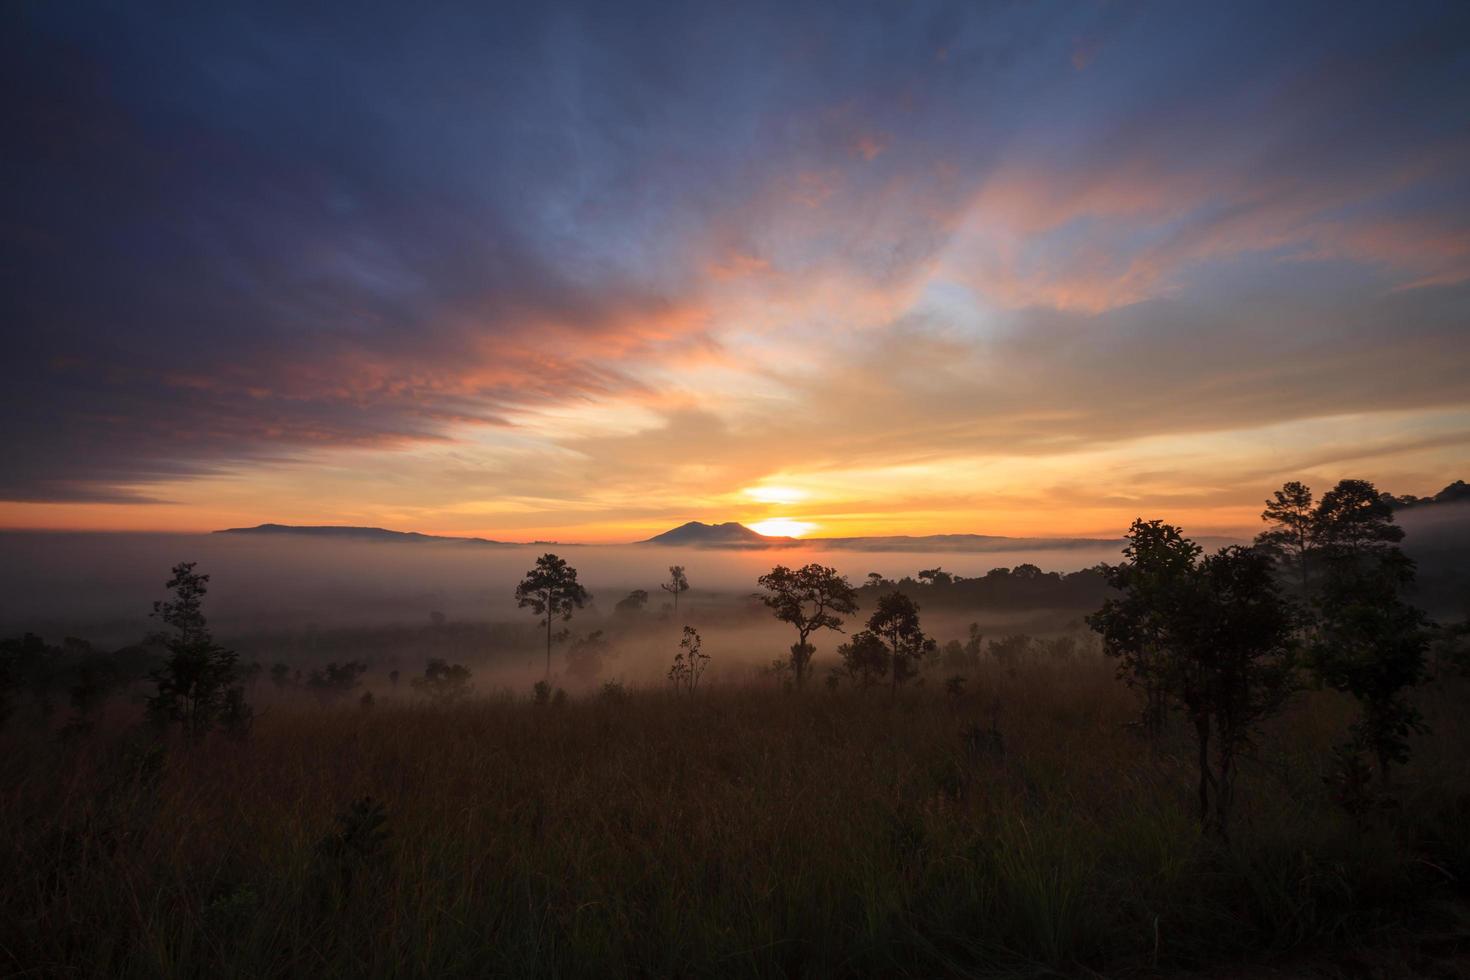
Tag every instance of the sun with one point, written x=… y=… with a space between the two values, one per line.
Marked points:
x=775 y=494
x=782 y=527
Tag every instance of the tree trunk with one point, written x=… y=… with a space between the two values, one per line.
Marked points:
x=548 y=639
x=893 y=690
x=1225 y=789
x=1202 y=734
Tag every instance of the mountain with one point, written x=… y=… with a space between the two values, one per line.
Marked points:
x=734 y=535
x=727 y=535
x=339 y=532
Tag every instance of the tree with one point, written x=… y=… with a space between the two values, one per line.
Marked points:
x=935 y=576
x=28 y=661
x=1368 y=641
x=551 y=591
x=690 y=662
x=444 y=682
x=1292 y=535
x=809 y=598
x=196 y=685
x=1215 y=638
x=1154 y=580
x=1373 y=645
x=865 y=658
x=584 y=659
x=632 y=603
x=1235 y=666
x=336 y=681
x=896 y=623
x=676 y=584
x=1353 y=520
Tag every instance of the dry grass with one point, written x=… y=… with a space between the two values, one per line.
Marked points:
x=745 y=831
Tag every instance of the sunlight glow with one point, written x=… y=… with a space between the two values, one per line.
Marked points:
x=782 y=527
x=775 y=495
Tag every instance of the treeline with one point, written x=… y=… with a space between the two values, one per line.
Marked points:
x=1227 y=640
x=1024 y=587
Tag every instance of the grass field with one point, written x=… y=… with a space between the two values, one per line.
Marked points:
x=744 y=831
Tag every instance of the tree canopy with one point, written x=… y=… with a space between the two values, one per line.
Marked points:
x=811 y=598
x=551 y=591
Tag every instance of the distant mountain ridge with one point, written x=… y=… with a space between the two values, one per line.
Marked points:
x=697 y=534
x=340 y=531
x=727 y=534
x=731 y=534
x=1456 y=493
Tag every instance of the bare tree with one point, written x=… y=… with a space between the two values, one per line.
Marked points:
x=690 y=662
x=676 y=584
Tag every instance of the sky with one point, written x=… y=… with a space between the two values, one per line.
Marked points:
x=584 y=272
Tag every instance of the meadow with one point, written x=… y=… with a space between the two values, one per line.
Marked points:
x=1021 y=827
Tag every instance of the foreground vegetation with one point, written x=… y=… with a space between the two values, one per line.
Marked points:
x=1020 y=827
x=927 y=810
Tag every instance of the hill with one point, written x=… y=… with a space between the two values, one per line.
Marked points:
x=339 y=532
x=727 y=535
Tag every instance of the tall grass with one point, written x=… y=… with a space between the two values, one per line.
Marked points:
x=744 y=832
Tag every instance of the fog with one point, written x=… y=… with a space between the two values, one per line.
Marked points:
x=101 y=585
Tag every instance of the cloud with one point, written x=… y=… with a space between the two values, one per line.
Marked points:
x=566 y=263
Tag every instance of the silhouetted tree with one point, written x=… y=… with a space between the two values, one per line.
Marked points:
x=335 y=681
x=1353 y=520
x=28 y=662
x=632 y=603
x=1370 y=643
x=585 y=657
x=280 y=676
x=896 y=623
x=1215 y=638
x=676 y=584
x=1137 y=627
x=1234 y=666
x=1292 y=536
x=865 y=658
x=443 y=681
x=689 y=663
x=809 y=598
x=9 y=681
x=196 y=685
x=552 y=592
x=91 y=683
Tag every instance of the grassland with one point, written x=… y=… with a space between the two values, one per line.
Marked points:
x=745 y=831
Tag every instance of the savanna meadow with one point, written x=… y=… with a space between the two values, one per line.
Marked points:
x=1249 y=760
x=699 y=489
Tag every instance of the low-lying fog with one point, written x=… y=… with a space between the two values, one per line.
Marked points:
x=101 y=586
x=305 y=599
